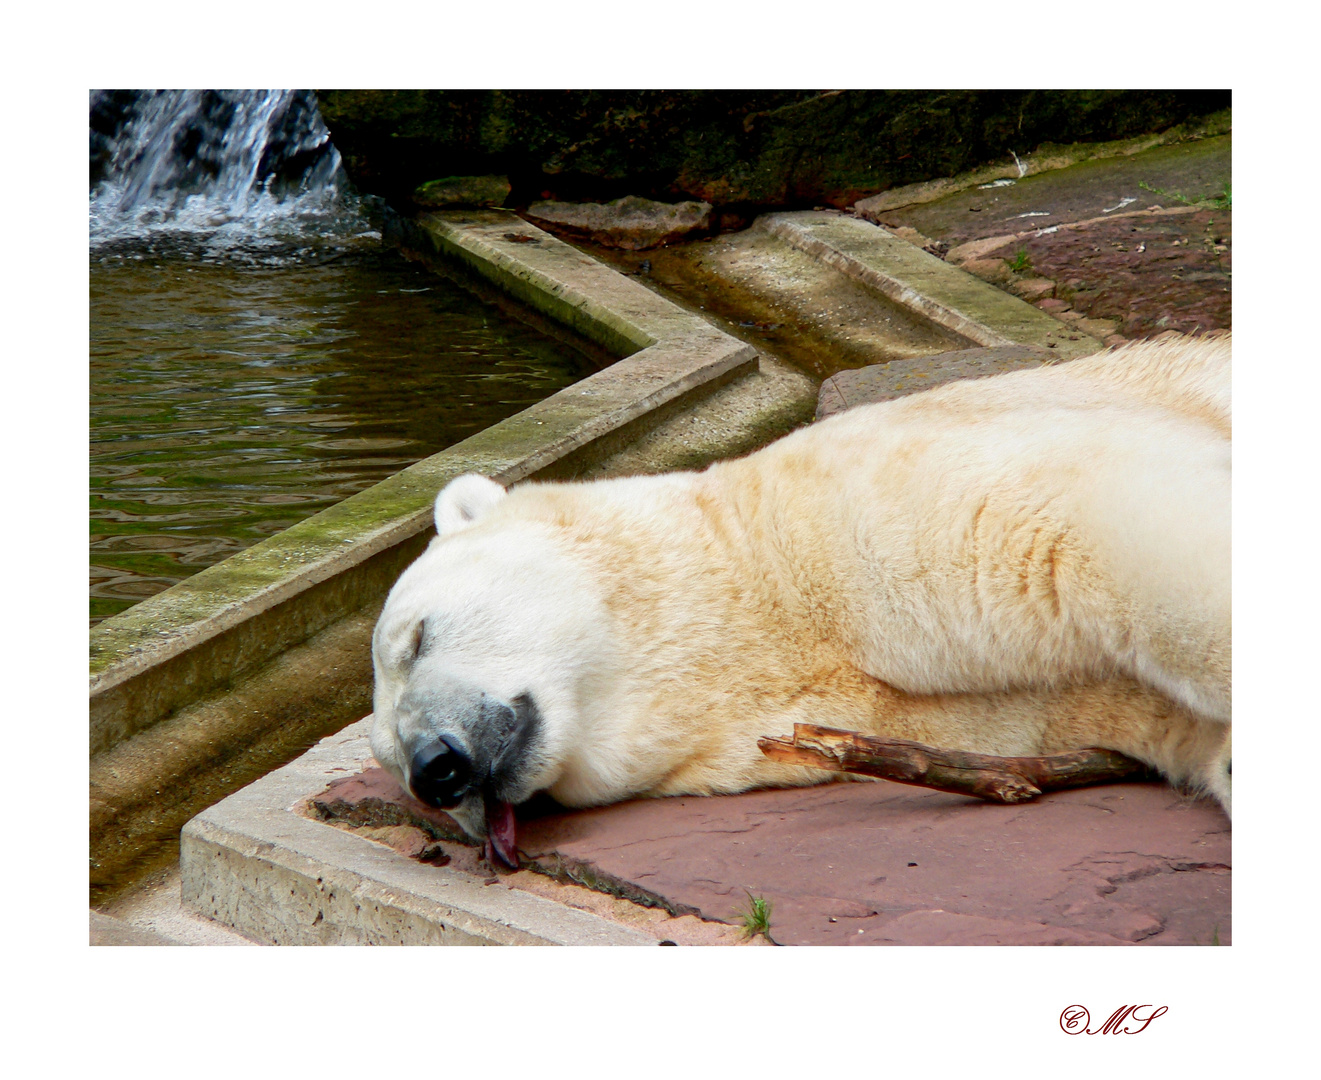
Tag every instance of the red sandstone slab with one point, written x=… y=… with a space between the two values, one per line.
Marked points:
x=877 y=863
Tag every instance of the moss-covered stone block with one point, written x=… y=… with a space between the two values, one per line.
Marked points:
x=456 y=191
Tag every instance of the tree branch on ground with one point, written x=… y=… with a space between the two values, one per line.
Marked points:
x=997 y=779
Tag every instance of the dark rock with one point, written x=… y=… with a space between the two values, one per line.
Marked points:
x=108 y=112
x=746 y=149
x=196 y=142
x=1031 y=289
x=463 y=191
x=993 y=270
x=1054 y=305
x=630 y=223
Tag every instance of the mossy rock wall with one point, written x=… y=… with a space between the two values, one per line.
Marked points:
x=734 y=149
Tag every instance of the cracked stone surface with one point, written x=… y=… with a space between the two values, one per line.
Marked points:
x=1193 y=170
x=878 y=863
x=1137 y=275
x=1157 y=264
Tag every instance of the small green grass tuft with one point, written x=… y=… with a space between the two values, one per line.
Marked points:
x=1215 y=936
x=1020 y=262
x=1223 y=201
x=756 y=917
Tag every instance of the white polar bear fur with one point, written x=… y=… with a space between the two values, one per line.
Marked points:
x=1023 y=564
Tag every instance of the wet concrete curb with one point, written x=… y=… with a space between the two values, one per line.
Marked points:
x=162 y=704
x=252 y=862
x=979 y=313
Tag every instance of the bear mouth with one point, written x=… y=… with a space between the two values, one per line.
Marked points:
x=501 y=831
x=512 y=759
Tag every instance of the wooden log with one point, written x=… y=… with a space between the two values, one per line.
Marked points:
x=998 y=779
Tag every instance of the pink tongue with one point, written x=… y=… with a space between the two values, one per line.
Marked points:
x=500 y=833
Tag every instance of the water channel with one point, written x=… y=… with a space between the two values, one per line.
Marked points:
x=256 y=353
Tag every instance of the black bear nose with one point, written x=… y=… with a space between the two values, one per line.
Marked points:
x=439 y=774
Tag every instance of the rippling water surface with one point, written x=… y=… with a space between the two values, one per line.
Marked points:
x=232 y=397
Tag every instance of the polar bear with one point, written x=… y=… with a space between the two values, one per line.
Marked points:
x=1024 y=564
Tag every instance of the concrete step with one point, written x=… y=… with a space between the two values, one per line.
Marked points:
x=151 y=913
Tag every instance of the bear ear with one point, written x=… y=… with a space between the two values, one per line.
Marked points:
x=464 y=501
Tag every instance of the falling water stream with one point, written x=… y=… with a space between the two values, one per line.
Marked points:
x=256 y=353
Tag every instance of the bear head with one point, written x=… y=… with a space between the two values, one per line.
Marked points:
x=483 y=655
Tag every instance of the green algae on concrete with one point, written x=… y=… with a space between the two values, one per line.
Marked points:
x=223 y=596
x=142 y=790
x=948 y=296
x=489 y=254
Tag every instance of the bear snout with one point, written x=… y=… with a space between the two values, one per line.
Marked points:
x=458 y=741
x=440 y=774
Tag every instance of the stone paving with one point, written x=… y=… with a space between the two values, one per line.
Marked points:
x=1122 y=248
x=867 y=863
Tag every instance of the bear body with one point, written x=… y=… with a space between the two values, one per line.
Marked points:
x=1023 y=564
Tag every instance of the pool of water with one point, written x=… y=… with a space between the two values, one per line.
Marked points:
x=232 y=397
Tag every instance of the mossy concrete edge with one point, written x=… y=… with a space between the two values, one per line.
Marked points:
x=978 y=312
x=482 y=241
x=673 y=354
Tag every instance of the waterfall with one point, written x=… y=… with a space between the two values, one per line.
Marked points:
x=215 y=171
